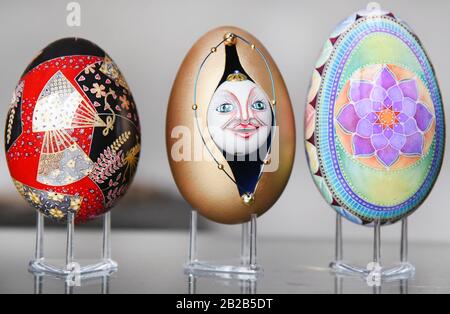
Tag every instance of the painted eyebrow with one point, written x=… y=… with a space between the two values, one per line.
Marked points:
x=230 y=96
x=256 y=94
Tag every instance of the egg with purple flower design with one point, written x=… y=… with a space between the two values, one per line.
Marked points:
x=374 y=123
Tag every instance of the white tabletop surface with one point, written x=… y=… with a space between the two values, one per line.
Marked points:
x=152 y=262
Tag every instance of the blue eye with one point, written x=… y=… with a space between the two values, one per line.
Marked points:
x=259 y=105
x=225 y=108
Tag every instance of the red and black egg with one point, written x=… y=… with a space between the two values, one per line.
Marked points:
x=72 y=134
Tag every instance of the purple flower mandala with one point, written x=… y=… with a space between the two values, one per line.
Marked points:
x=385 y=118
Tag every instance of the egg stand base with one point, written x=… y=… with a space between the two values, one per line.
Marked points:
x=72 y=272
x=249 y=269
x=374 y=273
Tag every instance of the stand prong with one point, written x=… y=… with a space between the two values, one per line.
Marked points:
x=338 y=284
x=70 y=233
x=404 y=242
x=245 y=245
x=404 y=286
x=68 y=288
x=39 y=249
x=38 y=284
x=253 y=287
x=248 y=286
x=377 y=242
x=193 y=238
x=339 y=247
x=377 y=289
x=253 y=250
x=106 y=252
x=105 y=284
x=192 y=284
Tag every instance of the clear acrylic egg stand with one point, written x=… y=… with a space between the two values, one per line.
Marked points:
x=374 y=273
x=248 y=269
x=70 y=270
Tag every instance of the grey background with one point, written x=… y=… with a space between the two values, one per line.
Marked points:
x=149 y=39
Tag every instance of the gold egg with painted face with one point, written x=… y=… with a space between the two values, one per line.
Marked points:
x=230 y=129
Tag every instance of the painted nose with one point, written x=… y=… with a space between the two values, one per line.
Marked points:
x=245 y=116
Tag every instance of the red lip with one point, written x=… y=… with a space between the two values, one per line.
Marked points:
x=245 y=130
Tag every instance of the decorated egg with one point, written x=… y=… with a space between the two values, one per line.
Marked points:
x=230 y=129
x=374 y=122
x=72 y=135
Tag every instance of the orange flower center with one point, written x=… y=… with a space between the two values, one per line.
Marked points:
x=387 y=118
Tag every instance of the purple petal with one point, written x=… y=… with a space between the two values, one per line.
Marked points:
x=348 y=119
x=386 y=79
x=378 y=94
x=379 y=141
x=388 y=156
x=413 y=144
x=362 y=146
x=397 y=141
x=363 y=107
x=360 y=90
x=372 y=117
x=377 y=106
x=410 y=127
x=409 y=89
x=398 y=128
x=377 y=129
x=364 y=128
x=388 y=133
x=397 y=107
x=395 y=93
x=409 y=107
x=423 y=117
x=402 y=117
x=388 y=102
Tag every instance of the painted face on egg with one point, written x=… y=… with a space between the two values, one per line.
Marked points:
x=73 y=137
x=239 y=116
x=240 y=120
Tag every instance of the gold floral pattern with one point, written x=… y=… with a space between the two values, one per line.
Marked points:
x=124 y=102
x=110 y=69
x=34 y=198
x=56 y=213
x=121 y=140
x=131 y=158
x=55 y=196
x=75 y=204
x=52 y=204
x=89 y=69
x=98 y=90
